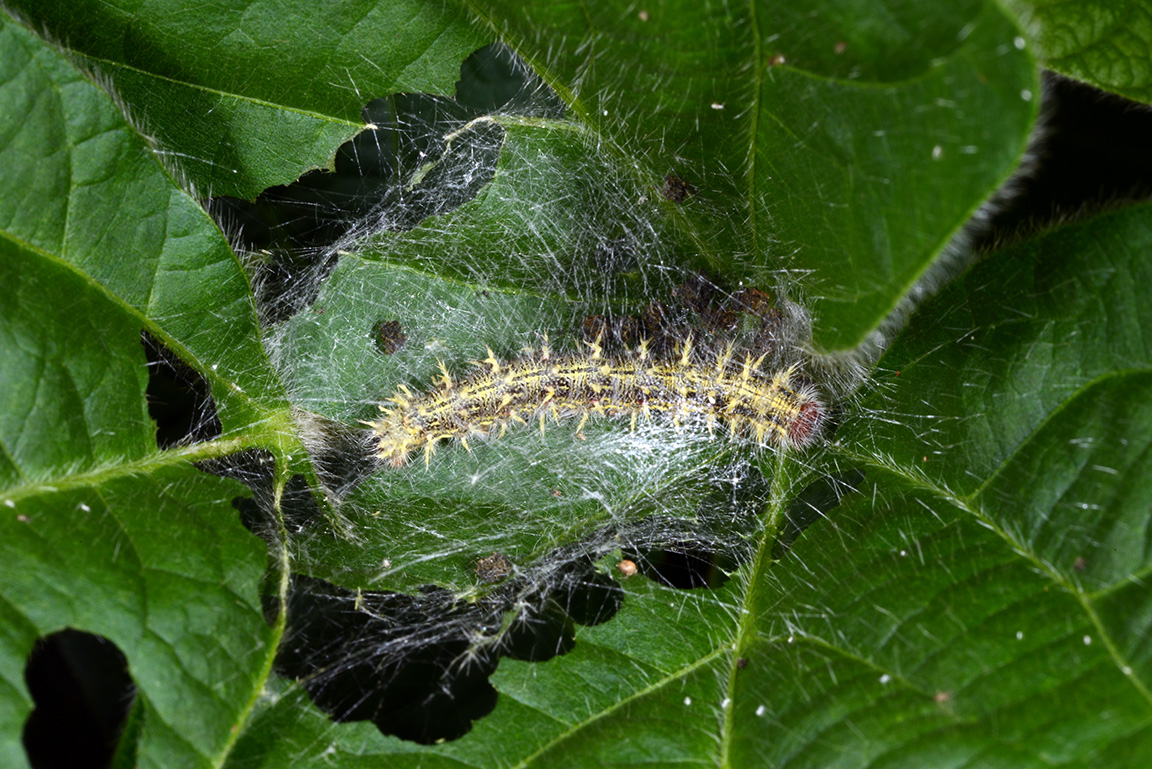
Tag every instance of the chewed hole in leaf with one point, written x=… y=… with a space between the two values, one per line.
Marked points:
x=683 y=566
x=356 y=656
x=494 y=79
x=420 y=155
x=262 y=513
x=82 y=696
x=417 y=666
x=179 y=398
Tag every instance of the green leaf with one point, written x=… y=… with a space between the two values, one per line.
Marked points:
x=101 y=531
x=845 y=142
x=92 y=195
x=956 y=575
x=1080 y=321
x=997 y=560
x=990 y=612
x=860 y=164
x=243 y=97
x=1100 y=42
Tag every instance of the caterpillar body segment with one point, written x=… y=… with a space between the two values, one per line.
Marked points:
x=776 y=409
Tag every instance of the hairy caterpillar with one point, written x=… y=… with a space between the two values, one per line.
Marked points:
x=778 y=410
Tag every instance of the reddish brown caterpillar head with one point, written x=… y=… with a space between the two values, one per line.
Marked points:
x=806 y=425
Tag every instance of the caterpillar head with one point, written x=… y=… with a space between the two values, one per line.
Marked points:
x=396 y=439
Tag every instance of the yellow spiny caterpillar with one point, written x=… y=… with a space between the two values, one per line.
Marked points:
x=777 y=409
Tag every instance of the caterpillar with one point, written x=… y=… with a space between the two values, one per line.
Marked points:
x=780 y=409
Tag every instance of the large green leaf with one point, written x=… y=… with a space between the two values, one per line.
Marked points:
x=955 y=576
x=997 y=559
x=101 y=531
x=845 y=141
x=247 y=95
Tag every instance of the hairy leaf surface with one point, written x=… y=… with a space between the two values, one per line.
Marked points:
x=955 y=575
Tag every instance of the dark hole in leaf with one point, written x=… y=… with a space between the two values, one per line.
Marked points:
x=816 y=501
x=538 y=633
x=421 y=155
x=179 y=398
x=406 y=663
x=389 y=177
x=255 y=469
x=344 y=456
x=1093 y=153
x=495 y=79
x=573 y=594
x=686 y=554
x=82 y=697
x=298 y=508
x=683 y=566
x=418 y=666
x=587 y=596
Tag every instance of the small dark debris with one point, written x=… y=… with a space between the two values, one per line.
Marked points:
x=390 y=336
x=614 y=334
x=676 y=189
x=594 y=328
x=627 y=331
x=754 y=301
x=695 y=293
x=654 y=318
x=493 y=568
x=1079 y=564
x=741 y=663
x=771 y=330
x=723 y=321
